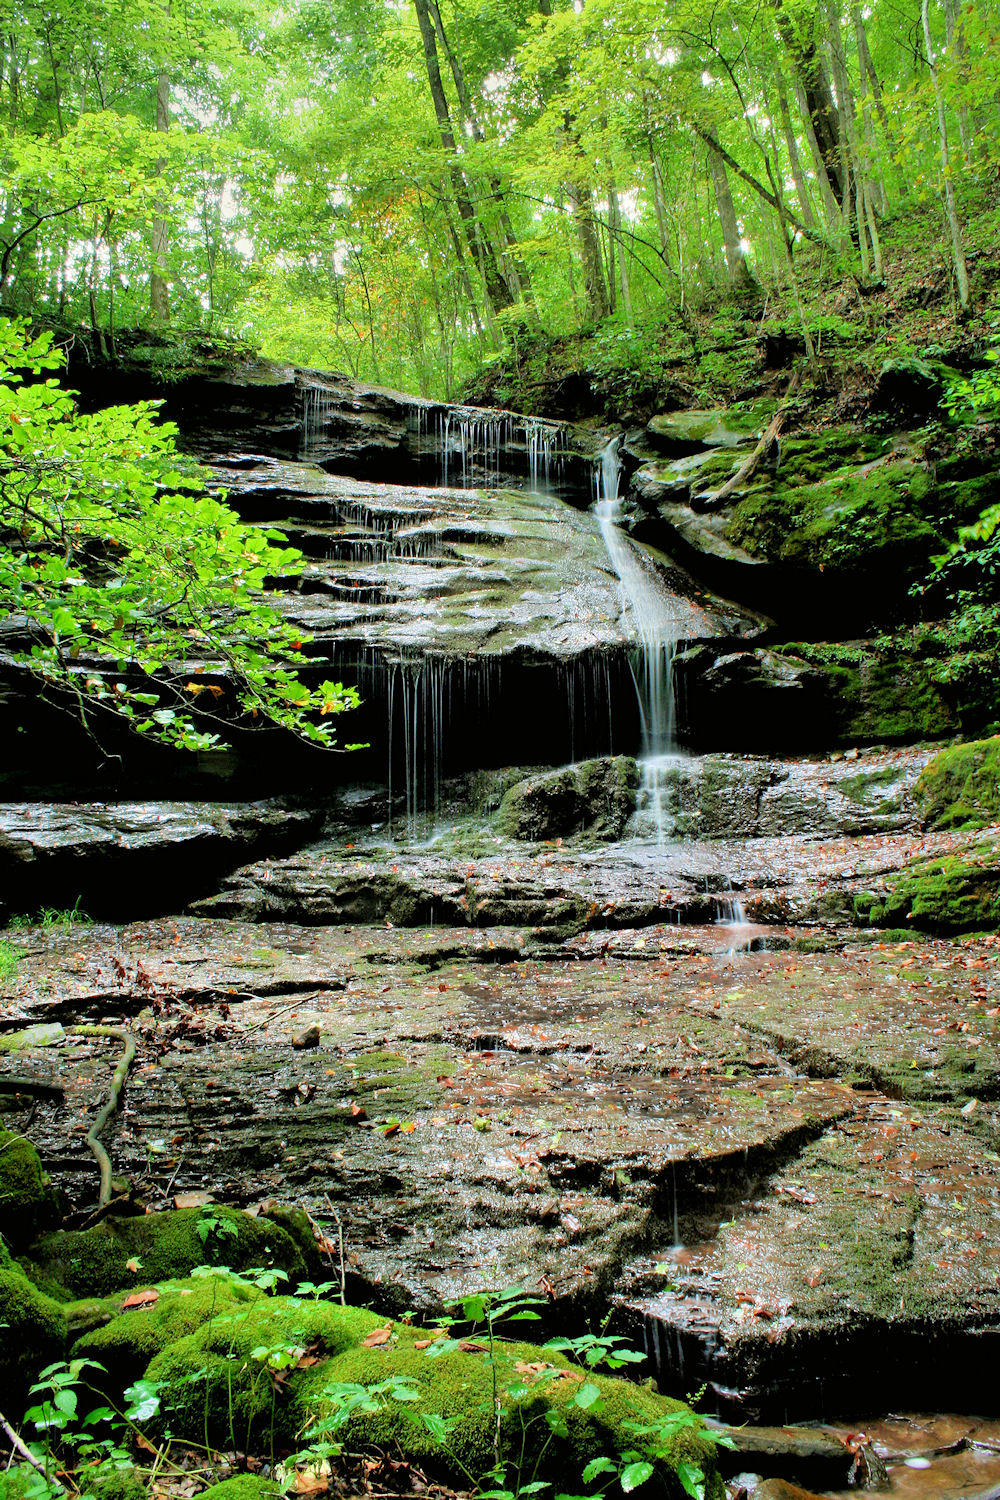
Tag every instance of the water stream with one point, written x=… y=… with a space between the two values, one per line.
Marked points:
x=657 y=622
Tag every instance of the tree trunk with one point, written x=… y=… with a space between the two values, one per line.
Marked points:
x=582 y=205
x=497 y=291
x=961 y=271
x=817 y=95
x=159 y=295
x=615 y=239
x=740 y=275
x=831 y=208
x=791 y=146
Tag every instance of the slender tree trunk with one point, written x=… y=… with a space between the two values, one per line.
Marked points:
x=958 y=249
x=740 y=275
x=582 y=204
x=870 y=80
x=791 y=146
x=497 y=291
x=615 y=238
x=818 y=99
x=956 y=47
x=159 y=294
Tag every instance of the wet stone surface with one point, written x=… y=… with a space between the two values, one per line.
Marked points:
x=645 y=1124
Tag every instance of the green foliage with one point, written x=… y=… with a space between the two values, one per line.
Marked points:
x=141 y=594
x=52 y=916
x=10 y=957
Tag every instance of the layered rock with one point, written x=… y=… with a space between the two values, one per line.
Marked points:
x=126 y=858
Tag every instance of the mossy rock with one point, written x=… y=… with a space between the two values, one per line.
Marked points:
x=32 y=1335
x=28 y=1202
x=14 y=1483
x=241 y=1487
x=214 y=1384
x=459 y=1387
x=950 y=894
x=116 y=1484
x=851 y=519
x=594 y=799
x=872 y=696
x=684 y=431
x=94 y=1262
x=128 y=1338
x=960 y=788
x=214 y=1381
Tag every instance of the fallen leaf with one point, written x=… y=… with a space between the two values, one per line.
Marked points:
x=377 y=1337
x=141 y=1299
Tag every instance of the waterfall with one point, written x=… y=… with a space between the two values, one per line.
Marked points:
x=317 y=406
x=478 y=447
x=654 y=614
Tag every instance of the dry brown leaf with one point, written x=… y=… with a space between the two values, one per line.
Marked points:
x=141 y=1299
x=378 y=1336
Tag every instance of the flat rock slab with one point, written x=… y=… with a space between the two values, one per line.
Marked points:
x=124 y=856
x=618 y=1130
x=793 y=879
x=869 y=1243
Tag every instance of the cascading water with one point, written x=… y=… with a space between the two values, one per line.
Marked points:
x=477 y=447
x=655 y=615
x=317 y=405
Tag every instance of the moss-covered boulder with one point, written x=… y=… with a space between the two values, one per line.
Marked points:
x=123 y=1339
x=220 y=1380
x=28 y=1202
x=687 y=431
x=32 y=1335
x=117 y=1484
x=960 y=788
x=594 y=799
x=541 y=1426
x=946 y=894
x=851 y=518
x=163 y=1247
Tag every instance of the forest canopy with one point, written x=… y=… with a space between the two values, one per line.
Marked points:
x=404 y=190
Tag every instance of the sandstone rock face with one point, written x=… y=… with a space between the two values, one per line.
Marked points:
x=130 y=857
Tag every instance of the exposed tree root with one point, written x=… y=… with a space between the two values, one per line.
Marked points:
x=101 y=1156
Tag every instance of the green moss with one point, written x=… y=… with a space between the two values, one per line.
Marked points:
x=32 y=1335
x=15 y=1483
x=126 y=1344
x=954 y=893
x=27 y=1198
x=874 y=693
x=217 y=1384
x=852 y=518
x=94 y=1262
x=856 y=788
x=460 y=1387
x=960 y=788
x=214 y=1384
x=242 y=1487
x=116 y=1484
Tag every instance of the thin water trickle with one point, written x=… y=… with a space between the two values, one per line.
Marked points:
x=479 y=447
x=317 y=405
x=654 y=612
